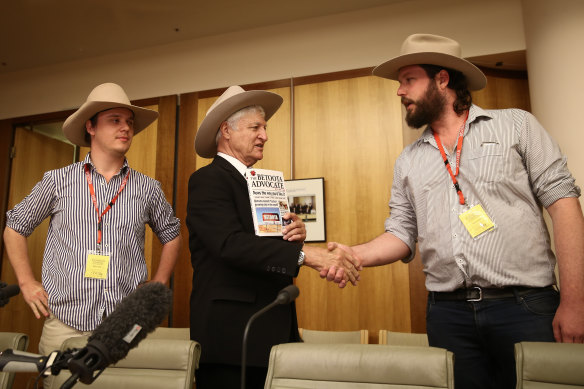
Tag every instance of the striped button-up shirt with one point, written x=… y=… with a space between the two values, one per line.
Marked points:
x=64 y=195
x=509 y=165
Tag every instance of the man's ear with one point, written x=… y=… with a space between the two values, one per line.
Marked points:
x=225 y=130
x=89 y=128
x=443 y=78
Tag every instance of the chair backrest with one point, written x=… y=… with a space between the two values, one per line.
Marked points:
x=183 y=333
x=548 y=365
x=15 y=341
x=154 y=363
x=316 y=336
x=402 y=338
x=344 y=366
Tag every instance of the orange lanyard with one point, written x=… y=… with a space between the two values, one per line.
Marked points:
x=458 y=152
x=94 y=199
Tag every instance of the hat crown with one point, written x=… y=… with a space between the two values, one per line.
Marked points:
x=424 y=43
x=229 y=92
x=109 y=92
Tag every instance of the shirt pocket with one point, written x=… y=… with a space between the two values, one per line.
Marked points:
x=486 y=162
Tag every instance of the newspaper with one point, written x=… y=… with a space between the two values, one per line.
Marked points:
x=269 y=203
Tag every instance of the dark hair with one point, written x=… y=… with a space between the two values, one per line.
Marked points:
x=457 y=83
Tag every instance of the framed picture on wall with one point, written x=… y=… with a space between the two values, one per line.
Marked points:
x=306 y=199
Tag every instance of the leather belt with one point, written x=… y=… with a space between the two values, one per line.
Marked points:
x=476 y=293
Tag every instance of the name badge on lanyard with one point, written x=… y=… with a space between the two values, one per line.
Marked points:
x=97 y=264
x=476 y=221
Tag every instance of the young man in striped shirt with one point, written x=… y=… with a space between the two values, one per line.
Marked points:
x=98 y=208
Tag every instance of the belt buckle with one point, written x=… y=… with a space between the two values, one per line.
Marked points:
x=480 y=294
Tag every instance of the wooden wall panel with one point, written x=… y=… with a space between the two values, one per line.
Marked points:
x=186 y=164
x=504 y=90
x=165 y=159
x=6 y=139
x=350 y=133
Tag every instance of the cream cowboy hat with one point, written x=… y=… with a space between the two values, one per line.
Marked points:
x=103 y=97
x=231 y=101
x=430 y=49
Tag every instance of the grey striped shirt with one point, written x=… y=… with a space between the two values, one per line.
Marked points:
x=512 y=167
x=63 y=194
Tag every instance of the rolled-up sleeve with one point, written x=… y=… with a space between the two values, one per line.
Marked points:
x=402 y=220
x=34 y=208
x=163 y=221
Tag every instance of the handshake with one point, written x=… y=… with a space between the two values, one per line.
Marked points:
x=337 y=263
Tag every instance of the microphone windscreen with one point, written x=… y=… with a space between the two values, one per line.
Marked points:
x=288 y=294
x=134 y=317
x=10 y=290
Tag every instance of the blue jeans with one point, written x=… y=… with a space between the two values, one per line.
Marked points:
x=482 y=334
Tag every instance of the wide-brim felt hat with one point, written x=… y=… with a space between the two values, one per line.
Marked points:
x=428 y=49
x=231 y=101
x=103 y=97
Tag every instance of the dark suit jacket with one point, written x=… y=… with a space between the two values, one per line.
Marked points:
x=236 y=273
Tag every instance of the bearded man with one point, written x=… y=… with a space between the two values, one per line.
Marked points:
x=471 y=192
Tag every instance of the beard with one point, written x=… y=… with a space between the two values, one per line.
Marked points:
x=427 y=109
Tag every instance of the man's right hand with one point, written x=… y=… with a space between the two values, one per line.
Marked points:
x=36 y=297
x=339 y=265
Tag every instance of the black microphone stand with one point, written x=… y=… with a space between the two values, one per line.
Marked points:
x=285 y=296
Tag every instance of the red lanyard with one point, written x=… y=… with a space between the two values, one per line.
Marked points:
x=458 y=152
x=94 y=199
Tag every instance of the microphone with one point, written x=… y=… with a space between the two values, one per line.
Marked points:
x=135 y=316
x=7 y=291
x=16 y=361
x=285 y=296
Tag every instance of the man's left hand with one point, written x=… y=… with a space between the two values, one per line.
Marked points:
x=295 y=231
x=569 y=323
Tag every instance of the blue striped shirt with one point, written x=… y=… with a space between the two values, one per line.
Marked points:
x=63 y=194
x=512 y=167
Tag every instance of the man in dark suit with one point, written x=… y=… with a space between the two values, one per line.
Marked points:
x=236 y=273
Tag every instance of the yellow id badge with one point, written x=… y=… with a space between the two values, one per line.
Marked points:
x=476 y=221
x=96 y=265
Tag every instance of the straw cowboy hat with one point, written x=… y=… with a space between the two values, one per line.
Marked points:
x=103 y=97
x=428 y=49
x=231 y=101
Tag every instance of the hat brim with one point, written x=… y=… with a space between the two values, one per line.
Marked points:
x=74 y=126
x=475 y=78
x=205 y=140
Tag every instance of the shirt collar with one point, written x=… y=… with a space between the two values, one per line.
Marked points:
x=240 y=166
x=87 y=161
x=474 y=113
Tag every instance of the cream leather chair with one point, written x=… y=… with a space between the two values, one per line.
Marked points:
x=183 y=333
x=15 y=341
x=315 y=336
x=402 y=338
x=363 y=366
x=155 y=363
x=548 y=365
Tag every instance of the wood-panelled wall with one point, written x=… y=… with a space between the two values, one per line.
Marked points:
x=345 y=127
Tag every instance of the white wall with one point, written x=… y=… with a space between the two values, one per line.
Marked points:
x=320 y=45
x=554 y=32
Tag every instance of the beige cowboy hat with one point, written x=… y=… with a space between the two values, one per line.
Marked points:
x=103 y=97
x=231 y=101
x=430 y=49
